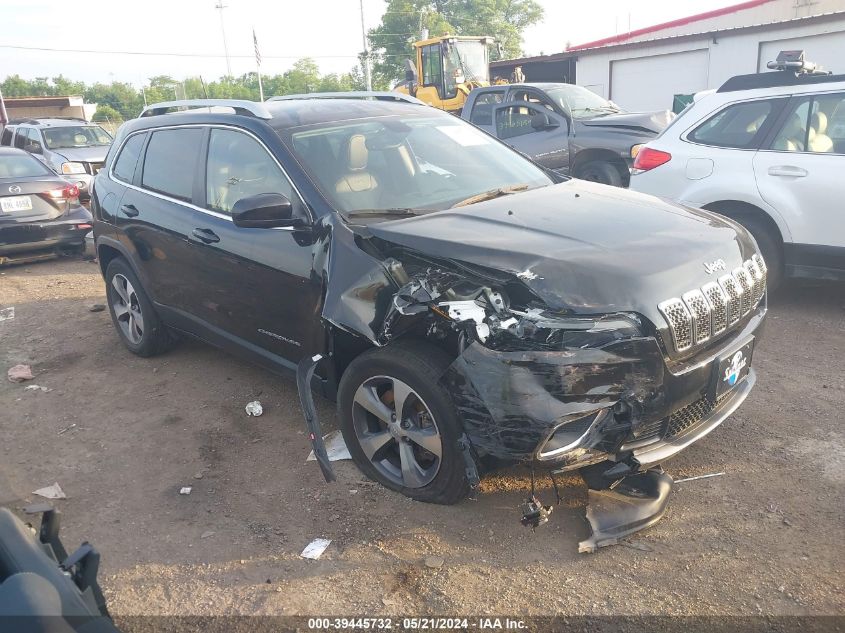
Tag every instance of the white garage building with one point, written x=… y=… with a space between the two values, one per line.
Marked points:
x=647 y=68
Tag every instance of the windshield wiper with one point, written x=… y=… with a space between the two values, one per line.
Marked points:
x=489 y=195
x=398 y=211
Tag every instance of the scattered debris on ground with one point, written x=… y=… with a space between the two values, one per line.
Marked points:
x=37 y=388
x=19 y=373
x=315 y=548
x=335 y=448
x=66 y=429
x=7 y=314
x=51 y=492
x=680 y=481
x=254 y=408
x=185 y=490
x=96 y=307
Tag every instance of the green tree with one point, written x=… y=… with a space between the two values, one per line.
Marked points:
x=107 y=113
x=392 y=40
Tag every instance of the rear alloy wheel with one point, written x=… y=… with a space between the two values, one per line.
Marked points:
x=127 y=309
x=400 y=424
x=600 y=171
x=133 y=314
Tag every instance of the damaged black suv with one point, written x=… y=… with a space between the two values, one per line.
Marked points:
x=465 y=307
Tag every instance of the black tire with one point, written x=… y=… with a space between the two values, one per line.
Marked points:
x=770 y=247
x=601 y=171
x=419 y=366
x=154 y=338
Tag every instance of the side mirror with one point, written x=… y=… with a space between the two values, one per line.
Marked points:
x=33 y=148
x=542 y=121
x=263 y=211
x=410 y=71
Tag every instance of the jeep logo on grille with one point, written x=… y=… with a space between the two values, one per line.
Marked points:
x=712 y=267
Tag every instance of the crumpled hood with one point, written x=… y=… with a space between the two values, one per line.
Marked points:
x=582 y=246
x=654 y=121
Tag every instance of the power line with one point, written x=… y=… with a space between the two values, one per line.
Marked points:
x=169 y=54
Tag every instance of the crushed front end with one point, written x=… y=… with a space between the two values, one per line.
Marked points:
x=564 y=390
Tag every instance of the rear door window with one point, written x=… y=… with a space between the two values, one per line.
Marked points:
x=7 y=136
x=813 y=124
x=124 y=166
x=171 y=161
x=21 y=137
x=482 y=109
x=738 y=126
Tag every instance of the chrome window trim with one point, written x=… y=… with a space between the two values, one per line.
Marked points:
x=190 y=205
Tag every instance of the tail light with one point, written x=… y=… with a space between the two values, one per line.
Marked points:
x=649 y=158
x=69 y=193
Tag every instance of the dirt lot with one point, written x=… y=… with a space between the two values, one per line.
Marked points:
x=765 y=538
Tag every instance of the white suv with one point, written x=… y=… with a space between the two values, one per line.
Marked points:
x=767 y=150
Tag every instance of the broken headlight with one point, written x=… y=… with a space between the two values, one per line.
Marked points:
x=555 y=332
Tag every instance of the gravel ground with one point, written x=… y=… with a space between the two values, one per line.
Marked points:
x=123 y=434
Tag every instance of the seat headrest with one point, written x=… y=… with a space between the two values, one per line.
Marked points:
x=819 y=122
x=358 y=153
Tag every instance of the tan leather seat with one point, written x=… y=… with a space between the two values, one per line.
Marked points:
x=357 y=188
x=791 y=137
x=819 y=141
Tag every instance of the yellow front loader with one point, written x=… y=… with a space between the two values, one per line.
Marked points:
x=447 y=68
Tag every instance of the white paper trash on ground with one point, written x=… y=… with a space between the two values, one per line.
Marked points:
x=51 y=492
x=7 y=314
x=315 y=548
x=335 y=448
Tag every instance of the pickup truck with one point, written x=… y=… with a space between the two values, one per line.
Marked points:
x=566 y=128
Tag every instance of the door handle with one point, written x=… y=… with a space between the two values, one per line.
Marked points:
x=205 y=235
x=129 y=210
x=788 y=170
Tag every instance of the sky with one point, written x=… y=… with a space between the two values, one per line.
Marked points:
x=327 y=30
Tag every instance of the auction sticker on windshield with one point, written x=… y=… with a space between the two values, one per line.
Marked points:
x=15 y=203
x=464 y=135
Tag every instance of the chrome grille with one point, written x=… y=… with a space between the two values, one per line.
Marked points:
x=700 y=311
x=757 y=283
x=744 y=280
x=718 y=301
x=708 y=311
x=734 y=292
x=680 y=322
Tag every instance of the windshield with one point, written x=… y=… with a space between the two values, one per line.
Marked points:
x=581 y=102
x=75 y=136
x=407 y=164
x=21 y=166
x=470 y=58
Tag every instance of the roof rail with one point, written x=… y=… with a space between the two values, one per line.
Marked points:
x=776 y=79
x=240 y=106
x=353 y=94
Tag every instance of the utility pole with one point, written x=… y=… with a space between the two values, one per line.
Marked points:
x=366 y=56
x=4 y=116
x=222 y=6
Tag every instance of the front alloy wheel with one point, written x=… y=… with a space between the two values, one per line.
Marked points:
x=397 y=431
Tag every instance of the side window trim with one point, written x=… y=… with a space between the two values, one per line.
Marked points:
x=136 y=185
x=760 y=139
x=298 y=201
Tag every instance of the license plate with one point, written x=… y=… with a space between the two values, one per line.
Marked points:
x=731 y=369
x=15 y=203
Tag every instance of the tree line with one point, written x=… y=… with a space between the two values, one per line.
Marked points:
x=391 y=43
x=119 y=101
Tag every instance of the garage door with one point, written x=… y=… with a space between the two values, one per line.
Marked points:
x=827 y=49
x=650 y=83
